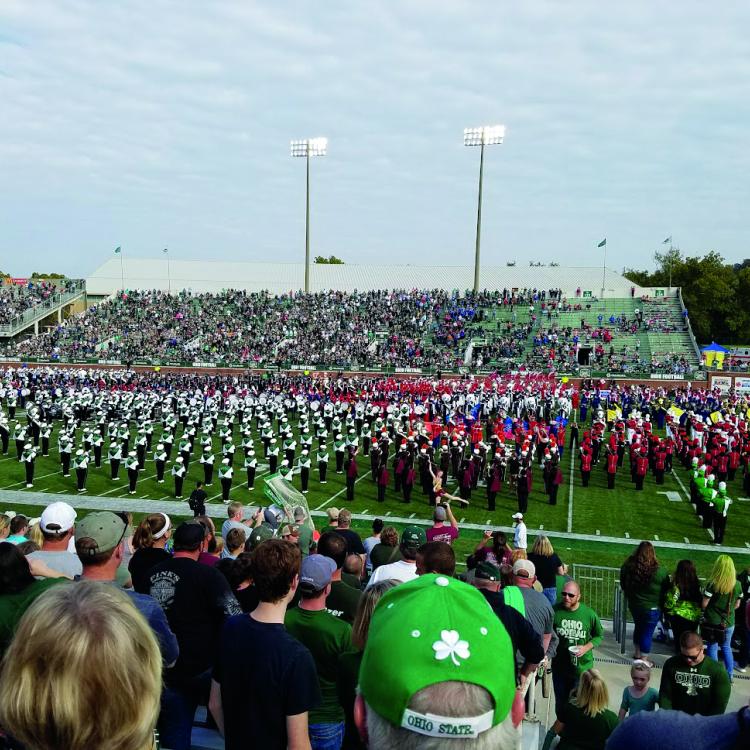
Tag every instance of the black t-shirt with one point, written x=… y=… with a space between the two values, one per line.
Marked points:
x=265 y=675
x=140 y=565
x=248 y=598
x=197 y=499
x=196 y=599
x=353 y=541
x=546 y=568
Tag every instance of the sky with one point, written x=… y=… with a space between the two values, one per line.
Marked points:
x=151 y=124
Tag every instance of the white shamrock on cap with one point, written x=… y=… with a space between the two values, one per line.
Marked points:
x=451 y=645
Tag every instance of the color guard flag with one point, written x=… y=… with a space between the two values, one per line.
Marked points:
x=602 y=243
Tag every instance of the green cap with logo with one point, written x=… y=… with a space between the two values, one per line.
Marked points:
x=437 y=629
x=259 y=534
x=413 y=536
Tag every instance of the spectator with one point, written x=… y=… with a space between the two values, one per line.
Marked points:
x=458 y=670
x=333 y=520
x=721 y=597
x=682 y=602
x=692 y=683
x=210 y=552
x=235 y=521
x=352 y=571
x=306 y=530
x=56 y=526
x=439 y=532
x=405 y=569
x=372 y=541
x=85 y=693
x=519 y=533
x=196 y=600
x=264 y=680
x=580 y=631
x=585 y=721
x=327 y=637
x=150 y=541
x=526 y=641
x=4 y=527
x=547 y=565
x=234 y=543
x=19 y=526
x=99 y=540
x=531 y=604
x=388 y=550
x=675 y=730
x=342 y=599
x=638 y=696
x=498 y=553
x=436 y=557
x=353 y=540
x=19 y=588
x=645 y=583
x=349 y=662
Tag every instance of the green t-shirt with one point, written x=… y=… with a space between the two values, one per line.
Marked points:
x=343 y=600
x=701 y=689
x=576 y=629
x=721 y=607
x=582 y=732
x=650 y=595
x=13 y=606
x=647 y=702
x=305 y=539
x=327 y=637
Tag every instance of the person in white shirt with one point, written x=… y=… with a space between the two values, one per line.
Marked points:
x=412 y=538
x=519 y=535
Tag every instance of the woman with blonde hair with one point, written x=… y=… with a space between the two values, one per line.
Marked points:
x=349 y=662
x=548 y=566
x=150 y=541
x=722 y=595
x=85 y=694
x=585 y=722
x=4 y=526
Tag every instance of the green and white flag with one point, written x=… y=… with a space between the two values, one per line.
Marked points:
x=668 y=241
x=118 y=250
x=602 y=243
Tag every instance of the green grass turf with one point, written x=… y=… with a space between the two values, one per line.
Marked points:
x=642 y=515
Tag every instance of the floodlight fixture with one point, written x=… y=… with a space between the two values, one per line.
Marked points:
x=485 y=135
x=308 y=147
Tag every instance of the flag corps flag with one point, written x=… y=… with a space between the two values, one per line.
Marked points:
x=668 y=241
x=603 y=243
x=118 y=250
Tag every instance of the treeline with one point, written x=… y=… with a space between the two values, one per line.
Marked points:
x=716 y=293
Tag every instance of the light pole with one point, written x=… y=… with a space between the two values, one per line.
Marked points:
x=307 y=148
x=487 y=135
x=169 y=275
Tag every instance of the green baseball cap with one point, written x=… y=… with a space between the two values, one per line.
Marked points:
x=99 y=532
x=437 y=629
x=413 y=536
x=259 y=534
x=486 y=571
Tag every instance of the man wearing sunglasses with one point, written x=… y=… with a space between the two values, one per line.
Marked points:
x=580 y=631
x=692 y=683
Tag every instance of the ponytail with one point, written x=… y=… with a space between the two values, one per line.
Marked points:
x=151 y=528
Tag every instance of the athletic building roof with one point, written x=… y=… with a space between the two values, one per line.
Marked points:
x=213 y=276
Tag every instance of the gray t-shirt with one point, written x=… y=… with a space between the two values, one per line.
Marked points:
x=63 y=562
x=540 y=615
x=229 y=524
x=368 y=543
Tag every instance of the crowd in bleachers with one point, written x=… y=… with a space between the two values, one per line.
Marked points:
x=16 y=299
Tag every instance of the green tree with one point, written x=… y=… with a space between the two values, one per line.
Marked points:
x=331 y=260
x=37 y=275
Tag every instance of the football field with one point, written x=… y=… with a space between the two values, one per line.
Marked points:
x=594 y=521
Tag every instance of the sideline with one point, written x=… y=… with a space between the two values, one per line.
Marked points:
x=8 y=498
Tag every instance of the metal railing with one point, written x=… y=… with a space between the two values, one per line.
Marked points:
x=598 y=587
x=620 y=617
x=28 y=317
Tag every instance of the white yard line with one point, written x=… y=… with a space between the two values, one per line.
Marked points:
x=36 y=479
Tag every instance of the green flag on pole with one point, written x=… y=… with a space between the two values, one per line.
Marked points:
x=118 y=250
x=603 y=243
x=668 y=241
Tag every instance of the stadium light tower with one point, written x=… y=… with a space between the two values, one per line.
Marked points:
x=486 y=135
x=307 y=148
x=169 y=275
